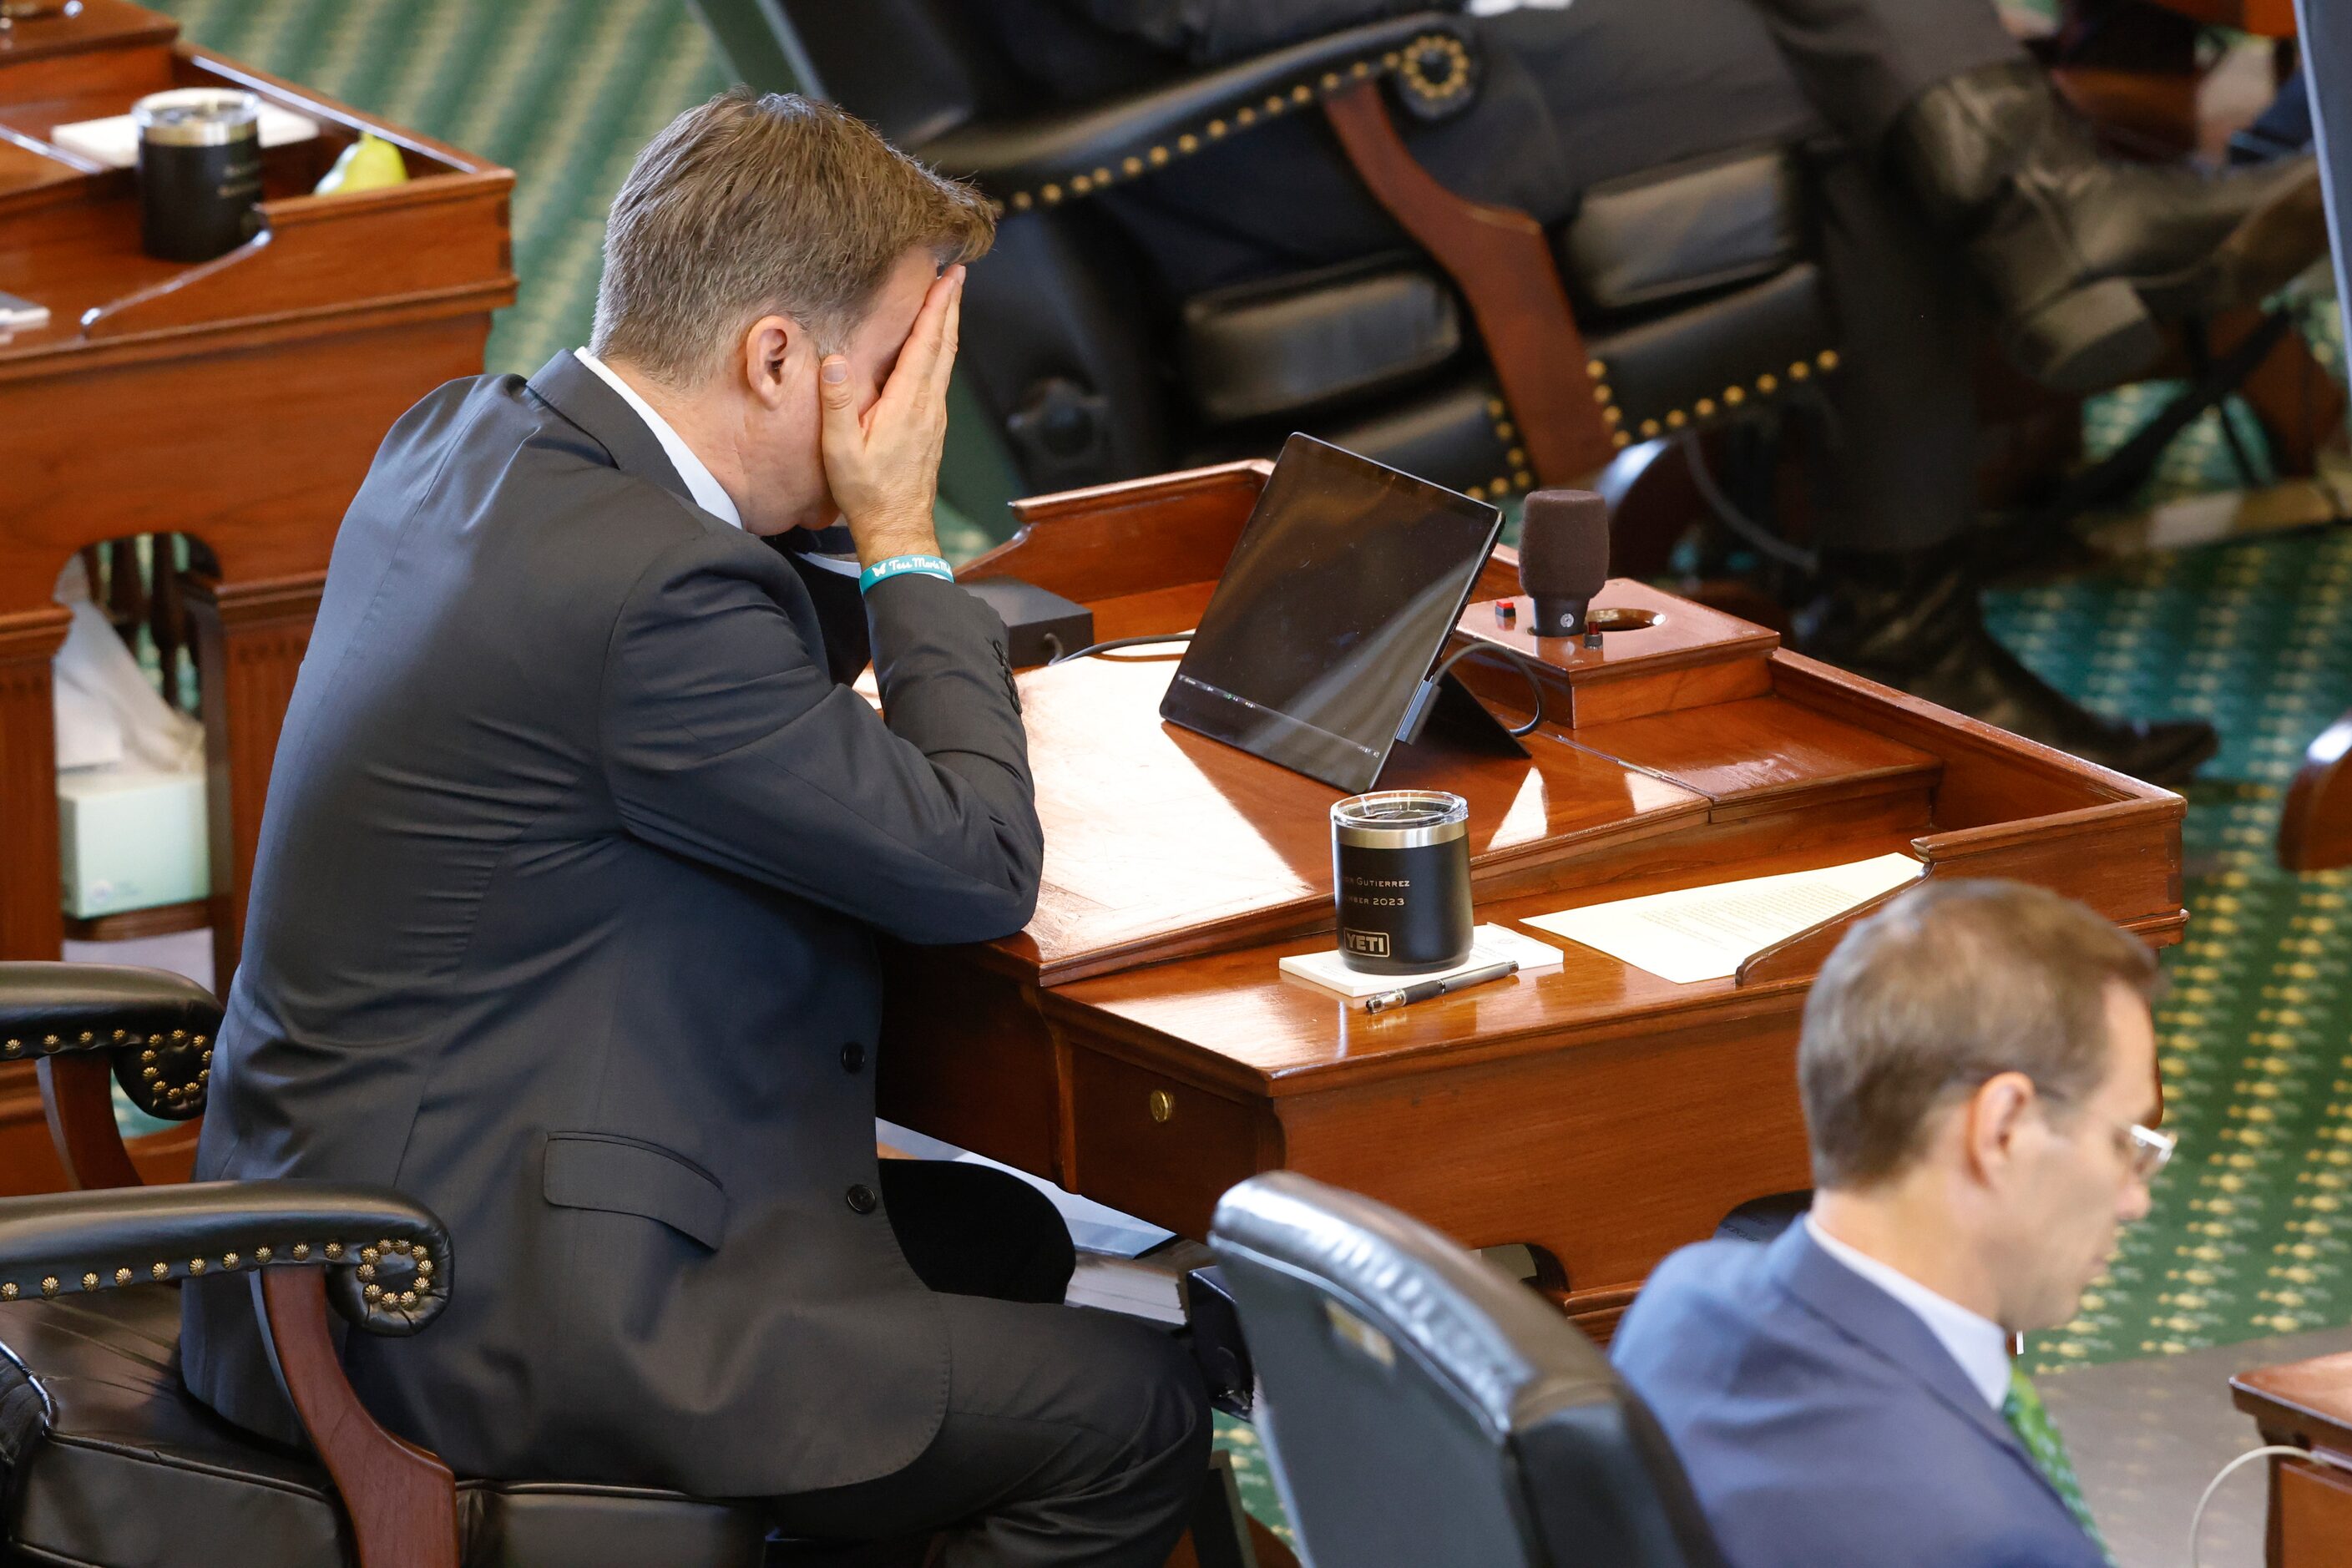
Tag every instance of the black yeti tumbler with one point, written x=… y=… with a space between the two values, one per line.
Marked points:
x=199 y=171
x=1401 y=872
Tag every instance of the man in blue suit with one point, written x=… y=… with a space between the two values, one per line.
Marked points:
x=1977 y=1065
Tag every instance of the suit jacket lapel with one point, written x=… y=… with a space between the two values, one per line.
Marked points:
x=1888 y=1330
x=580 y=395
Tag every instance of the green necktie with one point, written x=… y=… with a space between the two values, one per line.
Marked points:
x=2026 y=1418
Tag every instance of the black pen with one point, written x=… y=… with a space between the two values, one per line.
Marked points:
x=1422 y=989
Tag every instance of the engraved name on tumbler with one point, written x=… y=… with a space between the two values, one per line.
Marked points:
x=1401 y=878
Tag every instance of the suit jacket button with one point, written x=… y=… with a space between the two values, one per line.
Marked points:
x=862 y=1199
x=853 y=1058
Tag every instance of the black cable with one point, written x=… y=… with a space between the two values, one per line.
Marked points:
x=1527 y=666
x=1761 y=539
x=1119 y=643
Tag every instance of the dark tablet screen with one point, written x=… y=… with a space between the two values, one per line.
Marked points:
x=1332 y=609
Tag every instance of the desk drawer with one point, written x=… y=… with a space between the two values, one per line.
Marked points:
x=1148 y=1142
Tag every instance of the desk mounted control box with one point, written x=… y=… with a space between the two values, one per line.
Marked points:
x=1040 y=626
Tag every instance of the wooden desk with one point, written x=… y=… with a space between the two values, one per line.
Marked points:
x=1137 y=1045
x=2305 y=1405
x=238 y=401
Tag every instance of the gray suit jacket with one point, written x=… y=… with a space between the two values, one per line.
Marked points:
x=563 y=923
x=1824 y=1426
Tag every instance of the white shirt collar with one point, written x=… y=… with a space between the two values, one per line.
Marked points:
x=1979 y=1345
x=706 y=491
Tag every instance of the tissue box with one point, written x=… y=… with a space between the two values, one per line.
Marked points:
x=130 y=838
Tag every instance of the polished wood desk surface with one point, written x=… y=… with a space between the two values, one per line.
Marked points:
x=238 y=401
x=1138 y=1043
x=2305 y=1405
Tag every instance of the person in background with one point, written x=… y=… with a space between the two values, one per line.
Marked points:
x=1949 y=181
x=1978 y=1068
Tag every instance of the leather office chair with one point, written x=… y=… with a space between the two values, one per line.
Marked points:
x=109 y=1462
x=1494 y=358
x=1421 y=1406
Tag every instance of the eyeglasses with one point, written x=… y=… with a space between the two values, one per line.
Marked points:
x=2143 y=1149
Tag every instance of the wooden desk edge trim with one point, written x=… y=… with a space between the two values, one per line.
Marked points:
x=317 y=106
x=433 y=190
x=1143 y=1046
x=1122 y=495
x=155 y=34
x=423 y=304
x=1825 y=687
x=1955 y=843
x=2274 y=1410
x=253 y=332
x=25 y=141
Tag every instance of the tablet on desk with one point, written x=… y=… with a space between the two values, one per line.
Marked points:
x=1332 y=609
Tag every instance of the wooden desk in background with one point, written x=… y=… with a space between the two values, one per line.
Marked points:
x=2305 y=1405
x=1137 y=1045
x=238 y=401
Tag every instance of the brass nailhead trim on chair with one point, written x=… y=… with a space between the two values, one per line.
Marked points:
x=1405 y=63
x=1766 y=384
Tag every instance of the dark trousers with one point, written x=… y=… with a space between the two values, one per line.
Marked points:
x=1631 y=85
x=1071 y=1437
x=1605 y=88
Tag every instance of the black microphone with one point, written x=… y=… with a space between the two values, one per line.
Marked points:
x=1563 y=558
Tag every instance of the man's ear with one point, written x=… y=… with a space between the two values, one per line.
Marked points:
x=1995 y=1117
x=773 y=348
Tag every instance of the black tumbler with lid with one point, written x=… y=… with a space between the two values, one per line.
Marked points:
x=1400 y=873
x=199 y=171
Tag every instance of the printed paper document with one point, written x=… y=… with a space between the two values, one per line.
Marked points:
x=1706 y=933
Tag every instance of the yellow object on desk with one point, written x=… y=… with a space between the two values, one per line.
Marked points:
x=367 y=164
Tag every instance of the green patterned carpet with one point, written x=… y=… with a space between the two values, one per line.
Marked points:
x=2253 y=1229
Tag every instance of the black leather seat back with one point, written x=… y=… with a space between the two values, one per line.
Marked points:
x=1056 y=343
x=935 y=75
x=1669 y=233
x=1421 y=1406
x=1309 y=340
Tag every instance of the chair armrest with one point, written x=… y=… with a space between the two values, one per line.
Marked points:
x=1044 y=160
x=387 y=1257
x=158 y=1027
x=49 y=1007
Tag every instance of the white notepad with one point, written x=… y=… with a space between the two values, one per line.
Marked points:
x=1488 y=944
x=1706 y=933
x=114 y=141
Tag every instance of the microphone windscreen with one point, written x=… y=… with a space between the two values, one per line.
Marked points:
x=1563 y=544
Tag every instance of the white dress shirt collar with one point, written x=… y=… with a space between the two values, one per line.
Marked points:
x=706 y=491
x=1979 y=1345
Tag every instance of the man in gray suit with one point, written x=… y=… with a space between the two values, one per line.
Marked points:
x=574 y=856
x=1978 y=1066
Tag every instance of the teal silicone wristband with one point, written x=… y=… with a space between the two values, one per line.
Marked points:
x=900 y=565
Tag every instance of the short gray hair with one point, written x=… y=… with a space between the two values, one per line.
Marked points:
x=1950 y=985
x=749 y=207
